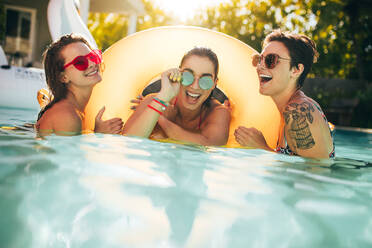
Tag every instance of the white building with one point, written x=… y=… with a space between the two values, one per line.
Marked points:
x=25 y=33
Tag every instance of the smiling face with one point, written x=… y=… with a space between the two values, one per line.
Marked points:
x=192 y=96
x=279 y=79
x=72 y=75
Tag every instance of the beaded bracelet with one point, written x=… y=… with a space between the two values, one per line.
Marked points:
x=161 y=102
x=151 y=107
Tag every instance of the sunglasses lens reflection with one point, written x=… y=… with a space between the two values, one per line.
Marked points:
x=187 y=78
x=81 y=63
x=205 y=83
x=271 y=60
x=256 y=60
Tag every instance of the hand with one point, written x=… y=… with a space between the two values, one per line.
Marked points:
x=228 y=105
x=113 y=126
x=170 y=84
x=250 y=137
x=136 y=101
x=167 y=126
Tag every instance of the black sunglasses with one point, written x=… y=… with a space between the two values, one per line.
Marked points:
x=271 y=60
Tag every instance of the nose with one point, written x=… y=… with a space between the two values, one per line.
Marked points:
x=91 y=63
x=195 y=84
x=261 y=64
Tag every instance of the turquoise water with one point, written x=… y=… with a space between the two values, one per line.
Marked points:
x=115 y=191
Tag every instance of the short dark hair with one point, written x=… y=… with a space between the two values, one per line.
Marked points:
x=302 y=50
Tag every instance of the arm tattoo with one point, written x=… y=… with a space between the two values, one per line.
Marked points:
x=299 y=129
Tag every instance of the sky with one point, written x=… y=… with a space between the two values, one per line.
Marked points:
x=185 y=9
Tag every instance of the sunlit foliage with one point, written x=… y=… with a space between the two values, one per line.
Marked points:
x=109 y=28
x=341 y=29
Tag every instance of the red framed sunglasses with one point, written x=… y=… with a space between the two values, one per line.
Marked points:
x=81 y=62
x=270 y=60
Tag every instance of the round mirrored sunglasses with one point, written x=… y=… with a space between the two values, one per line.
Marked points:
x=270 y=60
x=205 y=82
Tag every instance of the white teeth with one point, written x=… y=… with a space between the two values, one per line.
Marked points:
x=265 y=76
x=192 y=95
x=92 y=73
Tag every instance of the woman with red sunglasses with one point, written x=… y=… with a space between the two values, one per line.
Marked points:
x=184 y=108
x=72 y=69
x=282 y=67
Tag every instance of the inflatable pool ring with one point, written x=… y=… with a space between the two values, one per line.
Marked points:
x=154 y=87
x=134 y=62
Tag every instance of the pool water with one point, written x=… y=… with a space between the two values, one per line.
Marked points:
x=115 y=191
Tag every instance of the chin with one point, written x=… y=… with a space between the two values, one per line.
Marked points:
x=99 y=79
x=193 y=106
x=262 y=92
x=265 y=91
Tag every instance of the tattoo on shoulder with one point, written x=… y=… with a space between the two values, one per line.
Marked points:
x=299 y=130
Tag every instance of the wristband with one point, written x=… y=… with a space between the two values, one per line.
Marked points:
x=151 y=107
x=161 y=102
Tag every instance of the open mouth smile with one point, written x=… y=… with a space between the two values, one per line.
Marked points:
x=92 y=73
x=265 y=78
x=193 y=95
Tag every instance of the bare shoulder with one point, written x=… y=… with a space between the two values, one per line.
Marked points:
x=217 y=106
x=303 y=107
x=218 y=112
x=306 y=128
x=62 y=118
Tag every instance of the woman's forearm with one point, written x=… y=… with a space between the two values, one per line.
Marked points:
x=176 y=132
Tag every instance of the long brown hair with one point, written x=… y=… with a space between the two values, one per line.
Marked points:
x=53 y=67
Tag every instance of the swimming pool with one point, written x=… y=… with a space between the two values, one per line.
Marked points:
x=115 y=191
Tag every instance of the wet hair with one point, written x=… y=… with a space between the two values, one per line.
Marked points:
x=53 y=67
x=302 y=50
x=207 y=53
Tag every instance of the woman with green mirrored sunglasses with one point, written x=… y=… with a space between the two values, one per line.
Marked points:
x=184 y=108
x=205 y=82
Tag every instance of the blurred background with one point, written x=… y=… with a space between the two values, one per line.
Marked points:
x=341 y=80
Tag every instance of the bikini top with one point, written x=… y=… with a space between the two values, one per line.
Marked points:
x=288 y=150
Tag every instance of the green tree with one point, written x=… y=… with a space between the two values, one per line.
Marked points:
x=154 y=17
x=344 y=37
x=109 y=28
x=341 y=29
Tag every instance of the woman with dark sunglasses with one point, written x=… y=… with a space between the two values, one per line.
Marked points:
x=72 y=69
x=184 y=109
x=282 y=67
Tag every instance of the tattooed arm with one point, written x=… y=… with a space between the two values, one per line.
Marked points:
x=306 y=131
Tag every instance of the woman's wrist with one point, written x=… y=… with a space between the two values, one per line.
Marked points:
x=164 y=97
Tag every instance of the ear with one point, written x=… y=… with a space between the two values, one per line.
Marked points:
x=297 y=70
x=215 y=83
x=64 y=78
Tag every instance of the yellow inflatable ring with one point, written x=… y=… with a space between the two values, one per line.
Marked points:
x=131 y=63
